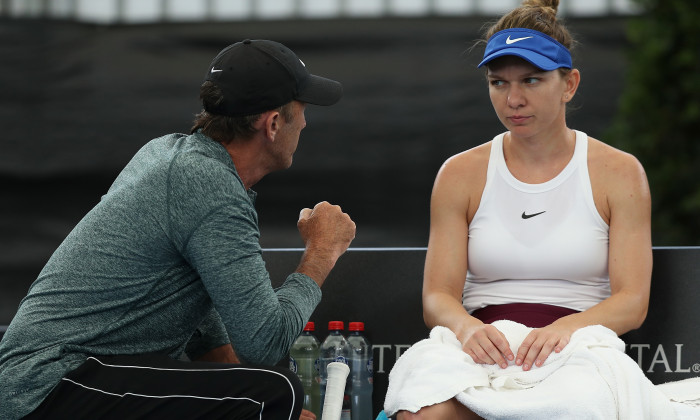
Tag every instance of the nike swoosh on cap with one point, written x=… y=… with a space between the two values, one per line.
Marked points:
x=513 y=41
x=213 y=70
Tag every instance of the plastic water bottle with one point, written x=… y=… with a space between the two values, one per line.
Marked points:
x=335 y=348
x=361 y=372
x=303 y=360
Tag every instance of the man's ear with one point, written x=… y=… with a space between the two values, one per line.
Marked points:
x=270 y=124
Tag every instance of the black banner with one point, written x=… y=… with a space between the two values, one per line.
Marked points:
x=382 y=287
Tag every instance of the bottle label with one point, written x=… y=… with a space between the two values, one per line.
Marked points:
x=293 y=365
x=346 y=410
x=341 y=359
x=370 y=365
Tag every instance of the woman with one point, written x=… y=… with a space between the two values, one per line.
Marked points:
x=550 y=227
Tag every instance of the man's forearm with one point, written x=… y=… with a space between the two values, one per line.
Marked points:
x=315 y=265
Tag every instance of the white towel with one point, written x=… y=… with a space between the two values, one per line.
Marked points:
x=592 y=378
x=685 y=397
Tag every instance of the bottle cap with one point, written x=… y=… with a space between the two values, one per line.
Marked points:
x=356 y=326
x=310 y=326
x=336 y=325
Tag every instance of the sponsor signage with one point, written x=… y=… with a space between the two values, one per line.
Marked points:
x=382 y=287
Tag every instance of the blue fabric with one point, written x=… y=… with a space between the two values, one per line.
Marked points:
x=382 y=416
x=540 y=50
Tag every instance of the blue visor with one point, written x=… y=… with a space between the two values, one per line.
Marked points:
x=539 y=49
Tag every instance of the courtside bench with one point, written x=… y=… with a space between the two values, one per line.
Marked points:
x=382 y=288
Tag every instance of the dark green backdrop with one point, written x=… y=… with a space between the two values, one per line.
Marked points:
x=79 y=100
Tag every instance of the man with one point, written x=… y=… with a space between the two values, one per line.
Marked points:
x=170 y=261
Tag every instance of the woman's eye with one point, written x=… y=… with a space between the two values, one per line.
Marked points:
x=496 y=82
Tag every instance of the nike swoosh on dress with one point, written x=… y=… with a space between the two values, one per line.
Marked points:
x=527 y=216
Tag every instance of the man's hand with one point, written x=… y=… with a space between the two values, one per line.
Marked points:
x=222 y=354
x=307 y=415
x=327 y=233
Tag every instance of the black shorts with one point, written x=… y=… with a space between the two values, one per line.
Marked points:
x=157 y=387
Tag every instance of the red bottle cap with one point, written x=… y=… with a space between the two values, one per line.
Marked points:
x=356 y=326
x=310 y=326
x=335 y=325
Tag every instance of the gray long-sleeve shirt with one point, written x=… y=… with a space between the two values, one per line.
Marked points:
x=170 y=255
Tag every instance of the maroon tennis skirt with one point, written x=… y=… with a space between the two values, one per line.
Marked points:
x=534 y=315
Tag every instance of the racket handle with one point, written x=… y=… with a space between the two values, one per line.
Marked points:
x=335 y=389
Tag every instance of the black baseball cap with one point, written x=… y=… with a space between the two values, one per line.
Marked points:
x=259 y=75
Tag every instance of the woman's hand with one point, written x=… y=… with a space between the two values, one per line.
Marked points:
x=487 y=345
x=540 y=343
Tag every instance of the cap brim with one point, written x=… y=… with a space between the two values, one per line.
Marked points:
x=320 y=91
x=534 y=58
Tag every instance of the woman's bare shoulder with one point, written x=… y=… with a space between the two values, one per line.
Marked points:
x=607 y=160
x=460 y=182
x=618 y=178
x=471 y=162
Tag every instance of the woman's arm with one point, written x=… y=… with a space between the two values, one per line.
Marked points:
x=456 y=194
x=621 y=193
